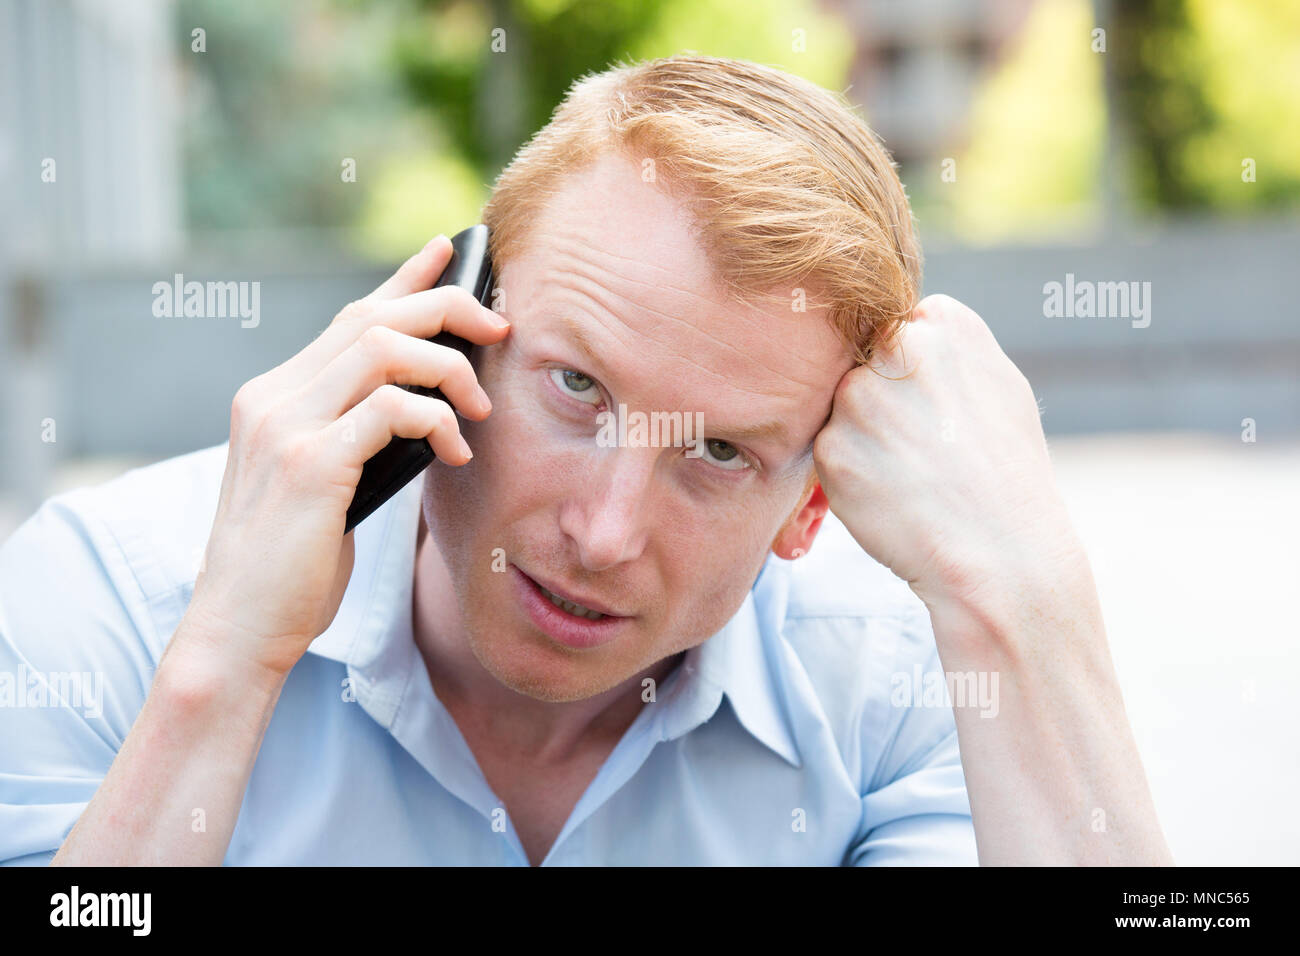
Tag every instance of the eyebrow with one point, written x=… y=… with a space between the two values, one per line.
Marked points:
x=774 y=430
x=574 y=331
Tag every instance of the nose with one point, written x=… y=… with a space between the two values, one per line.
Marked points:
x=608 y=517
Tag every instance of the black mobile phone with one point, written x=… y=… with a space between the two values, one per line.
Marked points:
x=402 y=459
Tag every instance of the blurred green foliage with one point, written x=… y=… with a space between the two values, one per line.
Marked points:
x=270 y=107
x=492 y=73
x=429 y=98
x=1248 y=61
x=1159 y=93
x=1199 y=90
x=1037 y=134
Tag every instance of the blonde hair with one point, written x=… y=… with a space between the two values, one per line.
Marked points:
x=789 y=188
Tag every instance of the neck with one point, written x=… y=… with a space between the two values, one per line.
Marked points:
x=484 y=707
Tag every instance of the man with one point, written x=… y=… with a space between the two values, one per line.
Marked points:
x=563 y=652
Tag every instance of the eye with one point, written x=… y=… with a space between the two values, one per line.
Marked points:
x=579 y=386
x=722 y=454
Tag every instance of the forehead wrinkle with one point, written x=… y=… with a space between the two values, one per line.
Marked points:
x=601 y=276
x=576 y=239
x=766 y=389
x=746 y=311
x=582 y=281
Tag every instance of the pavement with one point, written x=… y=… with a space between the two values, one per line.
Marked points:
x=1193 y=541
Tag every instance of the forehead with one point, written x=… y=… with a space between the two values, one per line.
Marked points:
x=618 y=257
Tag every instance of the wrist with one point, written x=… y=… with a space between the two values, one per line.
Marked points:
x=206 y=661
x=1041 y=591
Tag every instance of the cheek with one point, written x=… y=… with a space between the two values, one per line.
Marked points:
x=511 y=487
x=519 y=461
x=710 y=567
x=530 y=451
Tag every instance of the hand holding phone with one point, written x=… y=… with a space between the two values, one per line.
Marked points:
x=305 y=435
x=404 y=458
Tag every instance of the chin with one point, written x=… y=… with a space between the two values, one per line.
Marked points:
x=545 y=674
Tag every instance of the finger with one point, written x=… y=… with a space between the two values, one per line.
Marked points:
x=426 y=313
x=420 y=271
x=417 y=273
x=383 y=355
x=422 y=314
x=390 y=412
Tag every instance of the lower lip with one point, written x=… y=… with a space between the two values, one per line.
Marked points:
x=557 y=623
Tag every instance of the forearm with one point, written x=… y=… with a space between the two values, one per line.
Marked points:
x=173 y=793
x=1055 y=776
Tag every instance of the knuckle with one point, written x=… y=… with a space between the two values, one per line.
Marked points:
x=460 y=367
x=821 y=444
x=458 y=299
x=938 y=302
x=459 y=294
x=928 y=306
x=854 y=387
x=940 y=307
x=845 y=384
x=294 y=455
x=263 y=434
x=377 y=341
x=825 y=448
x=972 y=320
x=389 y=399
x=248 y=406
x=243 y=402
x=443 y=416
x=358 y=310
x=959 y=311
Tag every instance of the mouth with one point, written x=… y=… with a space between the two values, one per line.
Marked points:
x=570 y=622
x=570 y=606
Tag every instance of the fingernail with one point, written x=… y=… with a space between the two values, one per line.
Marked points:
x=500 y=322
x=484 y=402
x=429 y=245
x=464 y=447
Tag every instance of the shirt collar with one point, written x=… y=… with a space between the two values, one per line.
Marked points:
x=372 y=634
x=739 y=660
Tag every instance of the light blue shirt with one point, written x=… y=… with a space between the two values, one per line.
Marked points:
x=795 y=735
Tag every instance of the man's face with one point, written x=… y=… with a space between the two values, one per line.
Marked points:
x=669 y=539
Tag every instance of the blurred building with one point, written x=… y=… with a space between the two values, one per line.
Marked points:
x=88 y=131
x=90 y=159
x=97 y=88
x=919 y=63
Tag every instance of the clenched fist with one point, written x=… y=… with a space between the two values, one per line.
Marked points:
x=934 y=458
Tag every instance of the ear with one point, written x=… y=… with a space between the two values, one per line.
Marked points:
x=795 y=538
